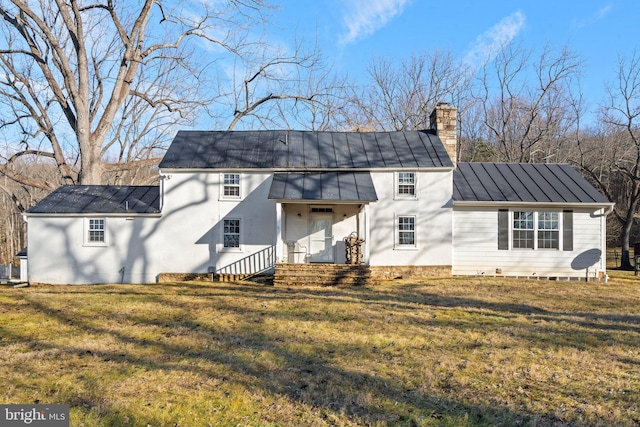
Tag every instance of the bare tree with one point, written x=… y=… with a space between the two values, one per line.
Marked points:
x=526 y=106
x=402 y=98
x=84 y=80
x=274 y=88
x=14 y=199
x=612 y=157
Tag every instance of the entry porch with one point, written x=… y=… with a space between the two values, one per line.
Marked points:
x=317 y=211
x=322 y=233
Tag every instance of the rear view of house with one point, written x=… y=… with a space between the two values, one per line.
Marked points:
x=243 y=202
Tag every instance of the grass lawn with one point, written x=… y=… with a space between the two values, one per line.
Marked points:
x=455 y=352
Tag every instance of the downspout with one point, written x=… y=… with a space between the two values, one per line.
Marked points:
x=161 y=204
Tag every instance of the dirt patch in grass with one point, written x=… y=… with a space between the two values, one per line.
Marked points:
x=437 y=352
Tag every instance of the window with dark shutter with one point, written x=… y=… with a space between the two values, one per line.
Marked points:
x=503 y=229
x=567 y=230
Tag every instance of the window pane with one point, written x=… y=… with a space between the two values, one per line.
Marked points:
x=523 y=239
x=96 y=224
x=96 y=236
x=523 y=220
x=406 y=177
x=231 y=241
x=231 y=191
x=548 y=239
x=406 y=189
x=406 y=238
x=548 y=221
x=231 y=178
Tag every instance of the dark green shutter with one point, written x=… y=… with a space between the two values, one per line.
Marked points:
x=567 y=230
x=503 y=229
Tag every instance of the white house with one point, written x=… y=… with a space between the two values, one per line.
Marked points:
x=244 y=202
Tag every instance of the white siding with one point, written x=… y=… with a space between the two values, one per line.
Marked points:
x=192 y=221
x=57 y=253
x=186 y=239
x=475 y=237
x=432 y=210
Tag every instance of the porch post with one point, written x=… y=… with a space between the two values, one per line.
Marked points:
x=279 y=228
x=367 y=235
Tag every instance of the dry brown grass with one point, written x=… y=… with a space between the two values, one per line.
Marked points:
x=461 y=351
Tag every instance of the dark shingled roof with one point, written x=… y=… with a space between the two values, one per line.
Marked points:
x=100 y=199
x=326 y=186
x=305 y=150
x=522 y=182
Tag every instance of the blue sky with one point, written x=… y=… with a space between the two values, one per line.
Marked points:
x=351 y=32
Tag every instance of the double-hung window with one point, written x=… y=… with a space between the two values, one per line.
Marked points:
x=231 y=233
x=406 y=185
x=535 y=230
x=95 y=231
x=406 y=231
x=548 y=230
x=231 y=186
x=523 y=230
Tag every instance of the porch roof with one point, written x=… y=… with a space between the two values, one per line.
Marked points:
x=323 y=186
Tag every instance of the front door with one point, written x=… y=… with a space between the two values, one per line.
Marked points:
x=321 y=237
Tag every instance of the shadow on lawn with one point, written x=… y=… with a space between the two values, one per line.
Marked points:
x=412 y=299
x=312 y=379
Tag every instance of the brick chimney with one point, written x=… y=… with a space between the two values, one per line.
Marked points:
x=443 y=122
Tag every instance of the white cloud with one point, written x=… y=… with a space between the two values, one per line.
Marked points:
x=495 y=37
x=364 y=17
x=579 y=23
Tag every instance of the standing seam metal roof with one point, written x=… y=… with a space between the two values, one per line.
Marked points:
x=100 y=199
x=305 y=150
x=325 y=186
x=522 y=182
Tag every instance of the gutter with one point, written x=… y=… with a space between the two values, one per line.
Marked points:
x=91 y=215
x=492 y=204
x=281 y=169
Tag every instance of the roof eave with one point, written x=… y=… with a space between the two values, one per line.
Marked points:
x=485 y=203
x=94 y=214
x=307 y=169
x=324 y=202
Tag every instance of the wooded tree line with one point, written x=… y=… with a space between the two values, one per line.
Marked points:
x=91 y=93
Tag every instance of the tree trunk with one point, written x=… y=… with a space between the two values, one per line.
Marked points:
x=91 y=168
x=625 y=262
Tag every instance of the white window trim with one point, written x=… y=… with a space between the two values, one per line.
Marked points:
x=223 y=248
x=396 y=184
x=222 y=185
x=396 y=233
x=85 y=230
x=536 y=229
